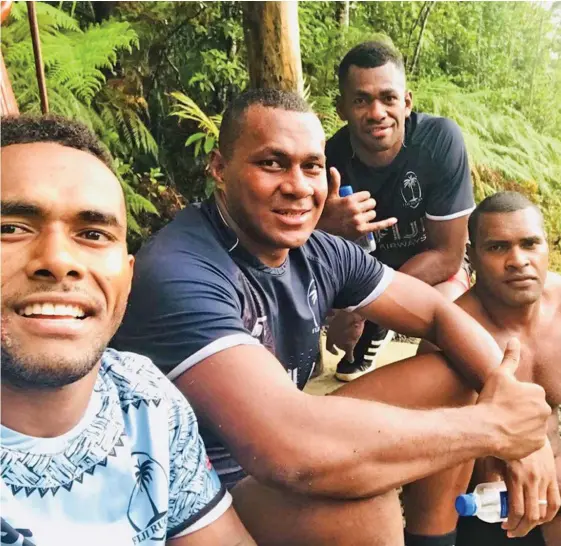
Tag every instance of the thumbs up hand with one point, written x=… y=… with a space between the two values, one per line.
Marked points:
x=517 y=410
x=351 y=216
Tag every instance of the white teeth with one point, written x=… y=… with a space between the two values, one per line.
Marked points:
x=58 y=310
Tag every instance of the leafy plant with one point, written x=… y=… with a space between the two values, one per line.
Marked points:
x=206 y=139
x=76 y=63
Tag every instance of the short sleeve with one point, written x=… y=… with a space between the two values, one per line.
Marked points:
x=451 y=195
x=357 y=277
x=196 y=496
x=182 y=309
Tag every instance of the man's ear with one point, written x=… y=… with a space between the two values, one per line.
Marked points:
x=216 y=168
x=408 y=103
x=129 y=272
x=340 y=109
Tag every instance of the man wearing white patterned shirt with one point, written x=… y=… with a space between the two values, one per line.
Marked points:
x=97 y=445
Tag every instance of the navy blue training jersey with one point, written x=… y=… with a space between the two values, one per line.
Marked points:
x=429 y=178
x=196 y=291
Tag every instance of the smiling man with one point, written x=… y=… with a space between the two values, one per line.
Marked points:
x=96 y=445
x=412 y=184
x=228 y=299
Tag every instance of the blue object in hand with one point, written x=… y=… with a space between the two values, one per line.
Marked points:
x=366 y=242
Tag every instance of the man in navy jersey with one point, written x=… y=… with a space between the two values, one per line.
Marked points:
x=412 y=186
x=229 y=299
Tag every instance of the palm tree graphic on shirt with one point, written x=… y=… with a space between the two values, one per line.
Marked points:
x=411 y=190
x=144 y=475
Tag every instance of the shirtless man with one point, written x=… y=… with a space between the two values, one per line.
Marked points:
x=515 y=295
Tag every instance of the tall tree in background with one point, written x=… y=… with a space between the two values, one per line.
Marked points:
x=272 y=39
x=342 y=13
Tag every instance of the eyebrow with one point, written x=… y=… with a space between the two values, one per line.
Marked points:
x=531 y=238
x=385 y=91
x=98 y=217
x=277 y=152
x=29 y=210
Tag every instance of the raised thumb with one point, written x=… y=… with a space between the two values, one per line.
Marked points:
x=511 y=356
x=334 y=182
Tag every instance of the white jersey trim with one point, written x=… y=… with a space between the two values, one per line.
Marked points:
x=385 y=281
x=216 y=346
x=450 y=216
x=209 y=518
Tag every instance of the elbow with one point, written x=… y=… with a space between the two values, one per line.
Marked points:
x=293 y=468
x=303 y=469
x=451 y=263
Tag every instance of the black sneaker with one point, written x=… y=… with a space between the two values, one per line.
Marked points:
x=348 y=371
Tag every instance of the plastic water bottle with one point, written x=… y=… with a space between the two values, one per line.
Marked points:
x=489 y=502
x=366 y=242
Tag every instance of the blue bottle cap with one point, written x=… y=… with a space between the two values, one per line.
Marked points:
x=345 y=190
x=466 y=505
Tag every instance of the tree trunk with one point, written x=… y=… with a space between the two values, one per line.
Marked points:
x=8 y=104
x=103 y=10
x=420 y=40
x=272 y=38
x=342 y=12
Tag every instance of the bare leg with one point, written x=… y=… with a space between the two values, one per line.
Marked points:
x=275 y=517
x=428 y=503
x=451 y=290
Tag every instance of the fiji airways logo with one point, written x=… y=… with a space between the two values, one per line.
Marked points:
x=411 y=191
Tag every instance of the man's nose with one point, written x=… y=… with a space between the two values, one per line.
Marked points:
x=517 y=258
x=297 y=184
x=377 y=110
x=55 y=258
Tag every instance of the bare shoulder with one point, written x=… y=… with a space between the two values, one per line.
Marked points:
x=471 y=304
x=553 y=287
x=553 y=280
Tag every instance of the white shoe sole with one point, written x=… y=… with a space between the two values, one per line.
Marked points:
x=347 y=377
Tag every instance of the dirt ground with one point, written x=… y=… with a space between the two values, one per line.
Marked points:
x=326 y=382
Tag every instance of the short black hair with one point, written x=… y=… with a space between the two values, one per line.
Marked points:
x=369 y=55
x=27 y=129
x=504 y=201
x=233 y=117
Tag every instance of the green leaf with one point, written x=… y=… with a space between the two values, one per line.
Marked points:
x=193 y=138
x=209 y=144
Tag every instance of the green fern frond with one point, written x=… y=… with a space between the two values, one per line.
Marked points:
x=186 y=108
x=49 y=18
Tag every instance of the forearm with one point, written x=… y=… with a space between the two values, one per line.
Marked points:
x=387 y=447
x=432 y=266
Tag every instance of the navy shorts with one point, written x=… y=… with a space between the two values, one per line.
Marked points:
x=474 y=532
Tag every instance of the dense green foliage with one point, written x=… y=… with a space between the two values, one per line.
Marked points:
x=152 y=78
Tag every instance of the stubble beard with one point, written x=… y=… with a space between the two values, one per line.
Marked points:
x=25 y=369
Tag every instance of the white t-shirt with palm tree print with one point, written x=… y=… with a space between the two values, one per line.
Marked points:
x=133 y=471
